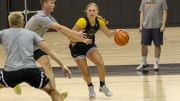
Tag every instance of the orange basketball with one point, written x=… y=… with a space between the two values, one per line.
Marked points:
x=121 y=38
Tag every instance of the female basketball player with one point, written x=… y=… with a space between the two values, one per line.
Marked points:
x=91 y=23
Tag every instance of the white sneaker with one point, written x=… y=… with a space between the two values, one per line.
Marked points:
x=105 y=90
x=92 y=93
x=156 y=67
x=142 y=66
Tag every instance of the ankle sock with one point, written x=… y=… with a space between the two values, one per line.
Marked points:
x=102 y=83
x=144 y=60
x=90 y=84
x=156 y=61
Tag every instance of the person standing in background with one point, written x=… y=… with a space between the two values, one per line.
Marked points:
x=153 y=16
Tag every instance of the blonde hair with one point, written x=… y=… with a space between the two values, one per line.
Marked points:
x=16 y=19
x=94 y=4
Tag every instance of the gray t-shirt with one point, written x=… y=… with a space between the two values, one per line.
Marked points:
x=19 y=46
x=153 y=10
x=39 y=23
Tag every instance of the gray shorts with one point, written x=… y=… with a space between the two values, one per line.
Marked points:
x=151 y=35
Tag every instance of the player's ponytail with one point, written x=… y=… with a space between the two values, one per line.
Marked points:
x=100 y=17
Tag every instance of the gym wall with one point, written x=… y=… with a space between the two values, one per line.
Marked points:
x=120 y=13
x=3 y=14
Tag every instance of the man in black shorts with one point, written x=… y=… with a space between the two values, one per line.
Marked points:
x=20 y=65
x=153 y=15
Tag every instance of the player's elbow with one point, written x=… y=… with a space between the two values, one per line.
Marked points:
x=43 y=46
x=45 y=49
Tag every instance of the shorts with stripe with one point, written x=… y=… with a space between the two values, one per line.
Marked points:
x=33 y=76
x=151 y=35
x=80 y=49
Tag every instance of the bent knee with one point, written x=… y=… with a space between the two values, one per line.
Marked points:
x=44 y=62
x=99 y=64
x=48 y=88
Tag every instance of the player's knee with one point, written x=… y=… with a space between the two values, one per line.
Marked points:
x=46 y=65
x=44 y=62
x=99 y=64
x=48 y=88
x=144 y=46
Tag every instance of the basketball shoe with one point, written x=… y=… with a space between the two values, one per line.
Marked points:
x=105 y=90
x=92 y=93
x=64 y=94
x=142 y=66
x=17 y=89
x=156 y=67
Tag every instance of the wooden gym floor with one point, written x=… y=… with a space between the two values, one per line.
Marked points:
x=125 y=83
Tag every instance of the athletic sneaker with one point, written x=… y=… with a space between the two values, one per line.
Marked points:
x=142 y=66
x=17 y=89
x=156 y=67
x=92 y=93
x=64 y=94
x=105 y=90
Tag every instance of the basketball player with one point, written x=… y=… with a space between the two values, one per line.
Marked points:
x=40 y=23
x=153 y=15
x=91 y=23
x=20 y=66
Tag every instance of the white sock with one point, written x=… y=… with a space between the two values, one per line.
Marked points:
x=156 y=61
x=144 y=60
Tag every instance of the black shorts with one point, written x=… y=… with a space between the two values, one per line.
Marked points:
x=149 y=35
x=80 y=49
x=38 y=53
x=33 y=76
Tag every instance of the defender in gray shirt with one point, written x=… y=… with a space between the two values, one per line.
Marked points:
x=19 y=47
x=40 y=23
x=20 y=65
x=153 y=15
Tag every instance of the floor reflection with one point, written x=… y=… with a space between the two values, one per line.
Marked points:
x=153 y=89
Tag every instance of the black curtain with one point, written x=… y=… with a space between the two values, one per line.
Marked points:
x=120 y=13
x=3 y=14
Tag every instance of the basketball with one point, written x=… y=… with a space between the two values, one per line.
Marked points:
x=121 y=38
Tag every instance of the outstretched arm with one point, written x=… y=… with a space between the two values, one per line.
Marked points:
x=72 y=34
x=53 y=55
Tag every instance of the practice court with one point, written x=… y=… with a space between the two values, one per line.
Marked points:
x=120 y=61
